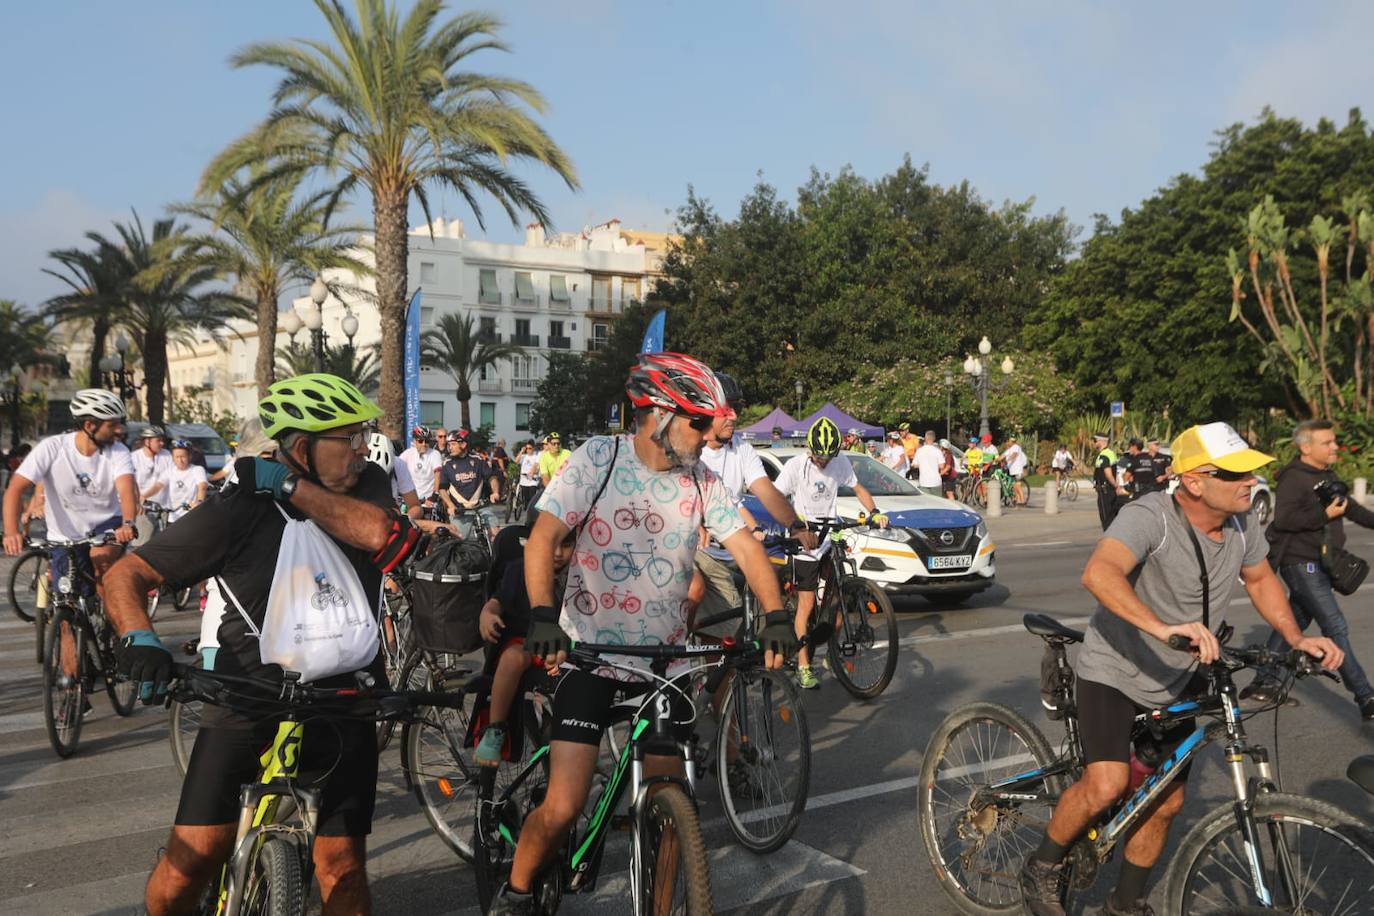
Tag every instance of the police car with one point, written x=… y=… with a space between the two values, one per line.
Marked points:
x=933 y=547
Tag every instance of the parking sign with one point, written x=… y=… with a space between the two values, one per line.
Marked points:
x=1118 y=409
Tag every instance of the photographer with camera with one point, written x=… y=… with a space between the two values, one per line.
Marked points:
x=1307 y=546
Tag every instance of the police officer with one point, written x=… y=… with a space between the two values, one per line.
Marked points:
x=1142 y=469
x=1159 y=463
x=1105 y=480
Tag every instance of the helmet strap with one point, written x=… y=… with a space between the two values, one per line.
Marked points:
x=308 y=471
x=660 y=433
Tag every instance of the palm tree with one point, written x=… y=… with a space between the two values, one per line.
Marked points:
x=97 y=283
x=457 y=348
x=267 y=239
x=388 y=108
x=23 y=336
x=360 y=367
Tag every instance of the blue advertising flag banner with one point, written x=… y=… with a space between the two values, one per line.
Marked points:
x=412 y=365
x=653 y=334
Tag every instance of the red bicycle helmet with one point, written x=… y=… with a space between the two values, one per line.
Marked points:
x=676 y=382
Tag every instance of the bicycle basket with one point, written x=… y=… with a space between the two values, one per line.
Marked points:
x=447 y=596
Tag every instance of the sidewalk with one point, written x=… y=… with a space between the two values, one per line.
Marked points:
x=1076 y=521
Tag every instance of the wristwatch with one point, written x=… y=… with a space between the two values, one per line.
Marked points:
x=288 y=486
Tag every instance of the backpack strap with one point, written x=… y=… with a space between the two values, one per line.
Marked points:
x=586 y=516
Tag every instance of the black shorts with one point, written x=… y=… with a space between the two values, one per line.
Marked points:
x=808 y=574
x=225 y=757
x=582 y=705
x=1106 y=717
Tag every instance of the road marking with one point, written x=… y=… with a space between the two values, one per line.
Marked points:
x=21 y=721
x=979 y=633
x=1034 y=544
x=971 y=768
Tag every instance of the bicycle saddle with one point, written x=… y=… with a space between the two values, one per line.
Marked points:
x=1047 y=627
x=1361 y=771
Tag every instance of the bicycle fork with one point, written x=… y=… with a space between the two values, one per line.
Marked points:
x=639 y=795
x=1246 y=791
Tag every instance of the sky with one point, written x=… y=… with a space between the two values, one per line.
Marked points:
x=1086 y=107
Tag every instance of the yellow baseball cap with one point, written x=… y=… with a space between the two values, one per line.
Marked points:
x=1217 y=444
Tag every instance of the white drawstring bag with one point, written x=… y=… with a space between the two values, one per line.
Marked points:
x=318 y=620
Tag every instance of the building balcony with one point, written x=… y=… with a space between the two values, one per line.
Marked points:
x=525 y=340
x=559 y=305
x=597 y=344
x=489 y=300
x=560 y=343
x=490 y=386
x=528 y=303
x=489 y=337
x=600 y=305
x=524 y=385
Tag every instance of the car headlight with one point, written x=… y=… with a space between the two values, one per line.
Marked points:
x=981 y=531
x=888 y=534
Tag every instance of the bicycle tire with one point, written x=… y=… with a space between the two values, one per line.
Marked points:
x=671 y=830
x=872 y=625
x=123 y=693
x=1328 y=831
x=1071 y=490
x=63 y=704
x=24 y=576
x=778 y=773
x=40 y=627
x=275 y=884
x=414 y=675
x=952 y=871
x=183 y=724
x=181 y=598
x=492 y=855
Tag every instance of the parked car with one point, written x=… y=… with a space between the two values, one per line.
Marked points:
x=934 y=547
x=203 y=437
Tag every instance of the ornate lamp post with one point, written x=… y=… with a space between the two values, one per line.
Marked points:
x=800 y=390
x=979 y=375
x=117 y=377
x=349 y=325
x=291 y=323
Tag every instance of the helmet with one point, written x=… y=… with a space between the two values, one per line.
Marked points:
x=553 y=437
x=380 y=452
x=97 y=404
x=734 y=395
x=181 y=443
x=460 y=434
x=152 y=432
x=422 y=433
x=676 y=383
x=313 y=403
x=905 y=427
x=823 y=438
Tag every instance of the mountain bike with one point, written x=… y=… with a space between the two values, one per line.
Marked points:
x=989 y=782
x=28 y=583
x=668 y=868
x=78 y=648
x=1013 y=492
x=270 y=868
x=1067 y=487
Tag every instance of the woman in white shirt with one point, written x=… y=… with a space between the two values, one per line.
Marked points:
x=185 y=486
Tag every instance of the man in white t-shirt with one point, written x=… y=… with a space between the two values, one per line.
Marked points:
x=1015 y=457
x=929 y=460
x=527 y=487
x=423 y=463
x=151 y=464
x=894 y=456
x=813 y=484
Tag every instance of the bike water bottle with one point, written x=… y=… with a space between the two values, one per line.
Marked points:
x=1145 y=756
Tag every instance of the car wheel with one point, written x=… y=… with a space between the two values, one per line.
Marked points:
x=1263 y=507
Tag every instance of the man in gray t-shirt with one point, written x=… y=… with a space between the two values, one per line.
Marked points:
x=1144 y=574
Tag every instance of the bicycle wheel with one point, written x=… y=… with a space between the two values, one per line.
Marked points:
x=1071 y=490
x=411 y=675
x=154 y=599
x=497 y=830
x=27 y=572
x=763 y=758
x=181 y=598
x=122 y=692
x=182 y=727
x=275 y=886
x=1314 y=858
x=674 y=874
x=977 y=852
x=862 y=652
x=64 y=696
x=40 y=628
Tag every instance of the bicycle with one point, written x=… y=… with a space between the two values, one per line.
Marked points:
x=620 y=565
x=181 y=597
x=989 y=781
x=79 y=636
x=270 y=868
x=668 y=854
x=1067 y=487
x=28 y=583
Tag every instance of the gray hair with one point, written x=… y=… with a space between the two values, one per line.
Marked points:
x=289 y=439
x=1302 y=433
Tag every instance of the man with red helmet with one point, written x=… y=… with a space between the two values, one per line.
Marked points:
x=608 y=485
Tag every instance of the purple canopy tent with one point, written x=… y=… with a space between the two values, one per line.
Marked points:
x=843 y=420
x=763 y=429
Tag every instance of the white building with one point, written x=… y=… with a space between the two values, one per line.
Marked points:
x=560 y=293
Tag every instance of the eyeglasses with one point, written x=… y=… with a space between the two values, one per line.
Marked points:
x=1228 y=476
x=355 y=441
x=700 y=424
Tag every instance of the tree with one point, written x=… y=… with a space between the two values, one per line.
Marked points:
x=389 y=108
x=564 y=402
x=96 y=281
x=456 y=347
x=358 y=366
x=266 y=236
x=23 y=336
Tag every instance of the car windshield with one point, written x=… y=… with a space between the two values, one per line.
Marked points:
x=878 y=478
x=210 y=445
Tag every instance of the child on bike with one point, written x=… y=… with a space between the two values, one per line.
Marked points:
x=504 y=621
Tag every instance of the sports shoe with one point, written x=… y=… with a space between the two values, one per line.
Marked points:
x=1367 y=709
x=508 y=903
x=204 y=600
x=1042 y=887
x=806 y=678
x=1138 y=908
x=489 y=748
x=1264 y=692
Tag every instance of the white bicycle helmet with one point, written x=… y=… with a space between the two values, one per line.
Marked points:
x=380 y=451
x=97 y=404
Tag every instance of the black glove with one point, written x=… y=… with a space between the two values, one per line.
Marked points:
x=143 y=659
x=777 y=634
x=545 y=638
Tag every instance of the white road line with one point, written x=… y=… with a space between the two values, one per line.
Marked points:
x=971 y=768
x=20 y=721
x=984 y=631
x=1034 y=544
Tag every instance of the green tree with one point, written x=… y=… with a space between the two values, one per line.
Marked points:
x=458 y=348
x=564 y=399
x=361 y=367
x=389 y=108
x=96 y=283
x=24 y=336
x=267 y=236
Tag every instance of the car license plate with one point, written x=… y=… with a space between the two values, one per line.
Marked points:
x=955 y=562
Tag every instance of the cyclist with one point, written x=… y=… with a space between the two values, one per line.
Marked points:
x=910 y=443
x=1144 y=574
x=184 y=483
x=529 y=476
x=853 y=442
x=1061 y=464
x=423 y=463
x=381 y=453
x=894 y=456
x=151 y=464
x=813 y=483
x=973 y=458
x=676 y=400
x=321 y=474
x=552 y=459
x=463 y=477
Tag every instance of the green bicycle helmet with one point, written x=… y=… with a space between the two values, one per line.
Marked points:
x=313 y=403
x=823 y=438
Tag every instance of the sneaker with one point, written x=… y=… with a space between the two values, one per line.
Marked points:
x=1263 y=692
x=1042 y=887
x=1367 y=709
x=508 y=903
x=806 y=678
x=1138 y=908
x=489 y=749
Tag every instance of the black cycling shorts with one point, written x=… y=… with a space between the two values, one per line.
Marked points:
x=808 y=574
x=225 y=757
x=582 y=706
x=1106 y=717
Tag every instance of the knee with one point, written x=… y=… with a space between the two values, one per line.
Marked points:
x=192 y=856
x=1104 y=785
x=562 y=810
x=1168 y=806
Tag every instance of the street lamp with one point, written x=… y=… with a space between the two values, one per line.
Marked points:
x=118 y=378
x=349 y=325
x=314 y=320
x=291 y=323
x=799 y=390
x=979 y=375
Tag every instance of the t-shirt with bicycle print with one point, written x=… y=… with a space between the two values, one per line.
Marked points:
x=627 y=584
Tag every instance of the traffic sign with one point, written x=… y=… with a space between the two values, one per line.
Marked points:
x=1118 y=408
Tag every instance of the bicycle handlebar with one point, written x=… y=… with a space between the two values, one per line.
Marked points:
x=364 y=700
x=590 y=653
x=1296 y=660
x=95 y=540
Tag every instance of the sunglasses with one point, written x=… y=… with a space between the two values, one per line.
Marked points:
x=700 y=424
x=1228 y=476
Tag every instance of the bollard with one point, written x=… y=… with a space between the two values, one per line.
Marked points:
x=1051 y=498
x=1361 y=488
x=994 y=498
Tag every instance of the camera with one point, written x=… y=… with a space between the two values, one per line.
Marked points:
x=1330 y=490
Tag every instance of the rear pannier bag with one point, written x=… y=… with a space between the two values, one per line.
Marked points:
x=447 y=595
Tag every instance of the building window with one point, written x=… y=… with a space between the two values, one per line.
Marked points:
x=431 y=413
x=601 y=335
x=488 y=291
x=426 y=272
x=426 y=314
x=486 y=329
x=523 y=337
x=629 y=289
x=601 y=294
x=524 y=288
x=524 y=374
x=555 y=329
x=522 y=416
x=486 y=373
x=558 y=289
x=486 y=413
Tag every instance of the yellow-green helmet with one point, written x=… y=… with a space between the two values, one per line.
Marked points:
x=313 y=403
x=823 y=438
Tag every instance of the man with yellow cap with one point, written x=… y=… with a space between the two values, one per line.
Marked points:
x=1144 y=574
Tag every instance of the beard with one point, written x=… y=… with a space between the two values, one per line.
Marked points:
x=681 y=459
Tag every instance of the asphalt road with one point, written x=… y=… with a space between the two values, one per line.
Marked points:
x=79 y=836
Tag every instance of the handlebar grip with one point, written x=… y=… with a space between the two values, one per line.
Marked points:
x=1181 y=643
